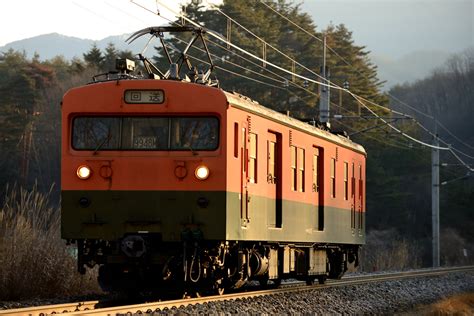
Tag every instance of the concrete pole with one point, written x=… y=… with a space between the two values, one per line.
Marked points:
x=435 y=198
x=324 y=93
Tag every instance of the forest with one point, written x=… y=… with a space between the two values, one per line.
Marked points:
x=398 y=171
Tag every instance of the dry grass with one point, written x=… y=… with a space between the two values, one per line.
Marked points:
x=34 y=261
x=459 y=305
x=386 y=250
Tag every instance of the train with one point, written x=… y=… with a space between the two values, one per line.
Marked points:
x=169 y=182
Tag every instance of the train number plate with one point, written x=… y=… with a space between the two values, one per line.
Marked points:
x=144 y=142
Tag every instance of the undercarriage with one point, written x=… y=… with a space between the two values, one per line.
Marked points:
x=143 y=263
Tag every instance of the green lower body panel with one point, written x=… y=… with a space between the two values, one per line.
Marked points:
x=300 y=222
x=110 y=215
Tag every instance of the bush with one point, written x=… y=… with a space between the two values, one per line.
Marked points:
x=34 y=261
x=454 y=250
x=385 y=250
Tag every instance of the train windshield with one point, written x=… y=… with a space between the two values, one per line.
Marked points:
x=145 y=133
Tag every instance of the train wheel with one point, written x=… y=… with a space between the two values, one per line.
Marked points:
x=220 y=290
x=263 y=282
x=219 y=287
x=310 y=280
x=277 y=282
x=322 y=279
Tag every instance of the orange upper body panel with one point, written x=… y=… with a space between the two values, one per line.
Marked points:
x=134 y=170
x=174 y=170
x=265 y=123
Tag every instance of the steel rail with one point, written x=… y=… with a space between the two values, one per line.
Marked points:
x=51 y=309
x=151 y=307
x=87 y=308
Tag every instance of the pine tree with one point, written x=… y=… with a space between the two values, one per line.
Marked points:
x=111 y=54
x=94 y=57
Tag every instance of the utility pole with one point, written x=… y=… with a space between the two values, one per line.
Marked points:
x=324 y=92
x=435 y=197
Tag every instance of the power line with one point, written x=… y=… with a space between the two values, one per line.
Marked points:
x=219 y=37
x=455 y=137
x=393 y=97
x=246 y=69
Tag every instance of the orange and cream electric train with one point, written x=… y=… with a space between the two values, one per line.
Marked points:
x=175 y=184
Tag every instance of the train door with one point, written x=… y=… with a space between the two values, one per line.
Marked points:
x=353 y=200
x=317 y=187
x=360 y=200
x=244 y=201
x=274 y=181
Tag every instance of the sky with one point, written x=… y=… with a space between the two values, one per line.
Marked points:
x=397 y=27
x=386 y=27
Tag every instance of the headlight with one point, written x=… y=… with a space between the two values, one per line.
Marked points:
x=83 y=172
x=202 y=172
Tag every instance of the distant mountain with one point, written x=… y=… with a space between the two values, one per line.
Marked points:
x=54 y=44
x=409 y=68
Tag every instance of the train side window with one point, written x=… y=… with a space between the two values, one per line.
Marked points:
x=293 y=167
x=236 y=140
x=300 y=163
x=346 y=181
x=353 y=185
x=333 y=177
x=253 y=158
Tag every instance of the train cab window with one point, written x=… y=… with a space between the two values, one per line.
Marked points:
x=145 y=133
x=253 y=158
x=193 y=133
x=333 y=177
x=346 y=181
x=93 y=133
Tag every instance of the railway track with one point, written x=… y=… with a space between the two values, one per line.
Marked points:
x=88 y=308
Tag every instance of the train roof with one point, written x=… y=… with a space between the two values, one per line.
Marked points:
x=249 y=105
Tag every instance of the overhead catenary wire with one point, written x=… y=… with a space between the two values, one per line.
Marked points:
x=221 y=38
x=230 y=71
x=357 y=98
x=392 y=96
x=454 y=136
x=246 y=59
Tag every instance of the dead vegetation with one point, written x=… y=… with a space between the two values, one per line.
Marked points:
x=34 y=261
x=461 y=304
x=386 y=250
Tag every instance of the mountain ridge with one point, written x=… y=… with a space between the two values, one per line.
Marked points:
x=409 y=68
x=55 y=44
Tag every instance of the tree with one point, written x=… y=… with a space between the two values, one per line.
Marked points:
x=111 y=54
x=21 y=85
x=94 y=57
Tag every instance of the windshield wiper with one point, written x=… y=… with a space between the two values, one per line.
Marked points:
x=102 y=143
x=192 y=150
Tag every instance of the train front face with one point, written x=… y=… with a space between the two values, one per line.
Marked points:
x=142 y=171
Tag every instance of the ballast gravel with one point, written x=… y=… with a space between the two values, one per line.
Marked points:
x=373 y=298
x=386 y=297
